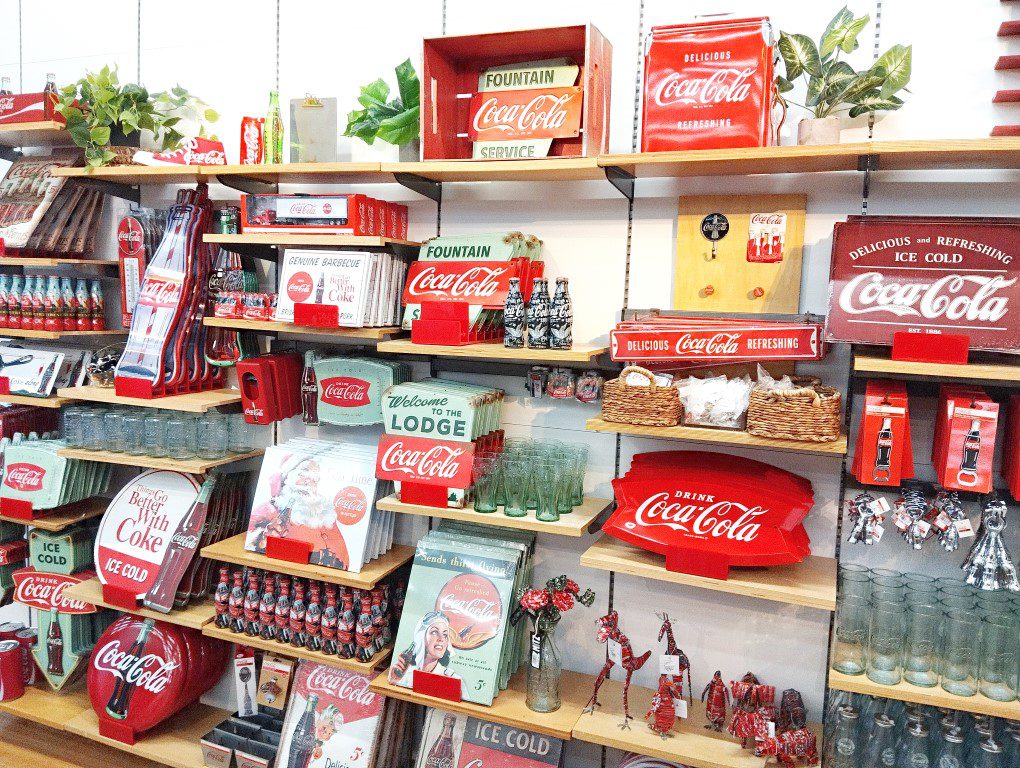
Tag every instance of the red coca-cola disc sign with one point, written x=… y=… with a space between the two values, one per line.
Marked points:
x=707 y=512
x=925 y=275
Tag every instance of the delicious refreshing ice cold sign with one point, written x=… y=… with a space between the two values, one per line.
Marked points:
x=937 y=275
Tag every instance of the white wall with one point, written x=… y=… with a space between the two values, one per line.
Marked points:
x=225 y=52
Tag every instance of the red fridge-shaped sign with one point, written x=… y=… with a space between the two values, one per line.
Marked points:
x=708 y=512
x=934 y=275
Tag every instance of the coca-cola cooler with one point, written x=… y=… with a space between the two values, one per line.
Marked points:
x=709 y=85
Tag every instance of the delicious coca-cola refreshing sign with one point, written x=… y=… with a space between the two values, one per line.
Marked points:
x=45 y=591
x=707 y=512
x=424 y=460
x=550 y=113
x=734 y=344
x=484 y=283
x=926 y=275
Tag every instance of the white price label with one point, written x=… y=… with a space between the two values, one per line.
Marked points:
x=943 y=521
x=681 y=708
x=536 y=651
x=879 y=506
x=669 y=665
x=923 y=526
x=772 y=730
x=964 y=528
x=615 y=652
x=902 y=520
x=876 y=534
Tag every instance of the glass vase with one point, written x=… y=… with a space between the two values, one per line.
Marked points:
x=544 y=669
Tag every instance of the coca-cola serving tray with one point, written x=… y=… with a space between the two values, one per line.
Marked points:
x=935 y=275
x=708 y=512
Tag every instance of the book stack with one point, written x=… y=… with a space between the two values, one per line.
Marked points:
x=464 y=584
x=323 y=493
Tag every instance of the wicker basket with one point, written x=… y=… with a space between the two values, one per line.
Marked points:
x=810 y=412
x=650 y=406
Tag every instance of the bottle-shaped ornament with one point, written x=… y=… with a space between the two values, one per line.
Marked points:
x=5 y=87
x=235 y=604
x=513 y=316
x=327 y=627
x=538 y=316
x=54 y=646
x=345 y=625
x=252 y=602
x=221 y=598
x=309 y=392
x=561 y=317
x=313 y=619
x=274 y=130
x=297 y=615
x=97 y=307
x=267 y=608
x=283 y=612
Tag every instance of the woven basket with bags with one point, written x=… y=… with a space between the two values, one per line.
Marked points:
x=809 y=412
x=649 y=405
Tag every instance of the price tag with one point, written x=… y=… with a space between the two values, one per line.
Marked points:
x=681 y=707
x=902 y=520
x=879 y=506
x=772 y=730
x=876 y=534
x=669 y=665
x=923 y=526
x=964 y=528
x=615 y=652
x=536 y=651
x=943 y=521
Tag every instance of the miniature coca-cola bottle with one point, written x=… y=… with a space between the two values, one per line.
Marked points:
x=345 y=625
x=67 y=304
x=538 y=316
x=274 y=134
x=267 y=608
x=120 y=700
x=303 y=741
x=26 y=303
x=51 y=305
x=378 y=618
x=252 y=603
x=364 y=635
x=313 y=619
x=97 y=307
x=513 y=316
x=283 y=612
x=561 y=317
x=54 y=645
x=309 y=392
x=330 y=615
x=441 y=754
x=971 y=448
x=235 y=604
x=297 y=615
x=5 y=87
x=222 y=597
x=14 y=301
x=320 y=288
x=82 y=320
x=883 y=453
x=5 y=289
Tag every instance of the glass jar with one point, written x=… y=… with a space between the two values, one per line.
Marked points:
x=132 y=433
x=154 y=434
x=240 y=434
x=180 y=436
x=544 y=668
x=212 y=436
x=73 y=418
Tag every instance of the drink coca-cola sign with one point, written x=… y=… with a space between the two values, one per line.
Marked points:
x=344 y=391
x=24 y=477
x=484 y=283
x=424 y=460
x=708 y=512
x=738 y=342
x=925 y=275
x=540 y=113
x=45 y=591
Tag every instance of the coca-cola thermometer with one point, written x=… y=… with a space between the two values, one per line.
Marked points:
x=135 y=531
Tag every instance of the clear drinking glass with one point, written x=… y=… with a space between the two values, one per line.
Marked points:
x=548 y=484
x=240 y=434
x=920 y=593
x=180 y=436
x=887 y=587
x=1000 y=636
x=113 y=437
x=961 y=635
x=997 y=603
x=855 y=581
x=154 y=434
x=955 y=588
x=516 y=478
x=885 y=643
x=211 y=435
x=580 y=468
x=849 y=654
x=132 y=433
x=485 y=484
x=920 y=665
x=93 y=432
x=74 y=434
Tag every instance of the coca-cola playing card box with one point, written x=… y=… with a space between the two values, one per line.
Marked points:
x=934 y=275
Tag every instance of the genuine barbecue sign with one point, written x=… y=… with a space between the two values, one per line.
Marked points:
x=935 y=275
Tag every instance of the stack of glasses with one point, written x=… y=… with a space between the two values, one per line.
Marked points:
x=157 y=433
x=927 y=631
x=544 y=476
x=873 y=731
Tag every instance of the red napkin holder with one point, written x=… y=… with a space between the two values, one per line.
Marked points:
x=122 y=598
x=424 y=495
x=437 y=686
x=949 y=348
x=291 y=550
x=446 y=323
x=317 y=315
x=20 y=509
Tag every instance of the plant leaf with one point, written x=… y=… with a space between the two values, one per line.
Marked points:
x=830 y=38
x=863 y=82
x=361 y=125
x=400 y=129
x=800 y=54
x=408 y=85
x=100 y=135
x=896 y=62
x=374 y=94
x=80 y=135
x=815 y=87
x=874 y=101
x=210 y=115
x=785 y=86
x=847 y=40
x=837 y=78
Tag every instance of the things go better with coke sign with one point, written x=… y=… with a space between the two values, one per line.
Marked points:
x=934 y=275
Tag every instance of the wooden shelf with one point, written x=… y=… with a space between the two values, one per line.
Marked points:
x=137 y=174
x=509 y=707
x=30 y=745
x=56 y=261
x=196 y=465
x=173 y=742
x=547 y=169
x=53 y=401
x=581 y=353
x=577 y=523
x=195 y=616
x=276 y=326
x=982 y=371
x=42 y=705
x=811 y=583
x=24 y=333
x=719 y=436
x=935 y=697
x=232 y=551
x=320 y=240
x=300 y=173
x=691 y=743
x=285 y=649
x=42 y=133
x=63 y=517
x=196 y=402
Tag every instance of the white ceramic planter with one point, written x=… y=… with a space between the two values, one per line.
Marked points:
x=823 y=130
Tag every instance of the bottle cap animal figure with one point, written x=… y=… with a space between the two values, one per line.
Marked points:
x=663 y=707
x=716 y=699
x=672 y=649
x=609 y=630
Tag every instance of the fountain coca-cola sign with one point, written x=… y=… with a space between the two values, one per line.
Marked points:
x=424 y=460
x=45 y=591
x=708 y=512
x=474 y=282
x=708 y=85
x=936 y=275
x=540 y=113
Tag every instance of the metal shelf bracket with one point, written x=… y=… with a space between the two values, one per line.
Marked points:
x=427 y=187
x=623 y=181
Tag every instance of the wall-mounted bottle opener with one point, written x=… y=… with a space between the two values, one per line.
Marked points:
x=714 y=228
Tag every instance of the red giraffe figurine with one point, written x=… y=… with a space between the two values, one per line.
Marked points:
x=717 y=700
x=663 y=707
x=609 y=629
x=673 y=650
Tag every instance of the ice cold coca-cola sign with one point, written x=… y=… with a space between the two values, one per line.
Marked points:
x=925 y=275
x=707 y=512
x=423 y=460
x=45 y=591
x=485 y=283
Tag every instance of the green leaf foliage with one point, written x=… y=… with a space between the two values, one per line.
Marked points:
x=873 y=101
x=896 y=62
x=395 y=121
x=408 y=85
x=800 y=55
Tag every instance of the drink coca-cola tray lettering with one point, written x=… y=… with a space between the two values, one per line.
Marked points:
x=708 y=512
x=934 y=275
x=332 y=721
x=467 y=742
x=351 y=388
x=34 y=472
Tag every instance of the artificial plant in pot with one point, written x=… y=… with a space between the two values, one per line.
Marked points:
x=101 y=113
x=395 y=121
x=832 y=85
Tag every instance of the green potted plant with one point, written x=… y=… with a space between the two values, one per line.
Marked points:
x=102 y=114
x=832 y=85
x=395 y=121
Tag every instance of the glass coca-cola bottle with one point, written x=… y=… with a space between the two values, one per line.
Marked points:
x=441 y=753
x=345 y=625
x=267 y=608
x=302 y=741
x=5 y=87
x=971 y=447
x=235 y=605
x=363 y=632
x=297 y=615
x=538 y=316
x=883 y=451
x=180 y=551
x=252 y=603
x=561 y=317
x=309 y=392
x=330 y=615
x=54 y=646
x=120 y=699
x=513 y=316
x=222 y=597
x=283 y=612
x=313 y=618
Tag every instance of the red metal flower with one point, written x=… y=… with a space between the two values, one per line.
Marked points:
x=535 y=599
x=572 y=587
x=563 y=601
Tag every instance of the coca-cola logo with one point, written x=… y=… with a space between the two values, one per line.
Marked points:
x=129 y=236
x=327 y=208
x=345 y=392
x=711 y=346
x=543 y=113
x=341 y=685
x=159 y=292
x=196 y=151
x=970 y=298
x=473 y=605
x=768 y=219
x=723 y=85
x=436 y=461
x=149 y=672
x=303 y=209
x=715 y=519
x=6 y=103
x=476 y=282
x=45 y=591
x=350 y=505
x=188 y=541
x=25 y=477
x=299 y=287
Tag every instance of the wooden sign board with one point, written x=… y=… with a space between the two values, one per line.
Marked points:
x=729 y=281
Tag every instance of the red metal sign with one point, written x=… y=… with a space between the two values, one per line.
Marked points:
x=719 y=343
x=345 y=391
x=707 y=512
x=28 y=108
x=24 y=477
x=45 y=591
x=539 y=113
x=474 y=282
x=708 y=86
x=925 y=275
x=424 y=460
